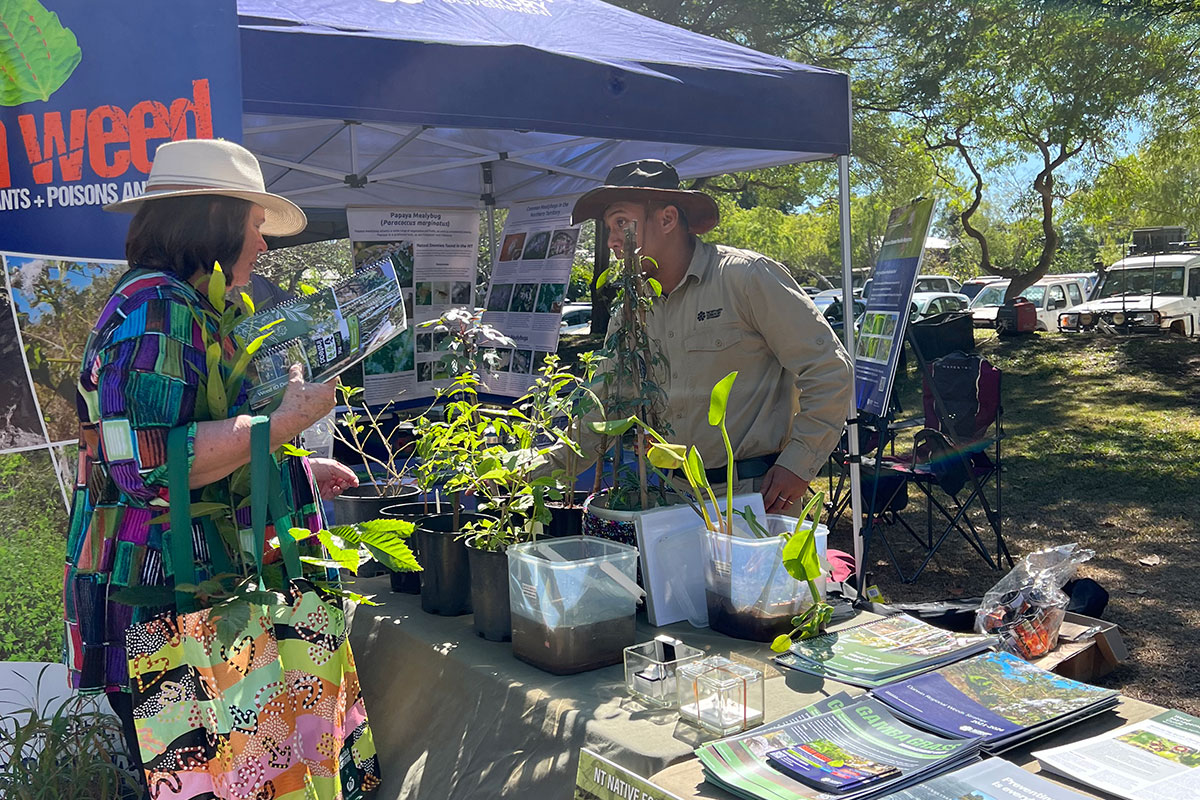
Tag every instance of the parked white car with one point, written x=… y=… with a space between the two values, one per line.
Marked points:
x=1050 y=296
x=938 y=283
x=1143 y=294
x=576 y=319
x=929 y=304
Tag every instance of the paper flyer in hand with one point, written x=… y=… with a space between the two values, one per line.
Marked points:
x=325 y=332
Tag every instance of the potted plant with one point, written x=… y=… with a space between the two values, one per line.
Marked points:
x=364 y=431
x=747 y=594
x=628 y=389
x=449 y=445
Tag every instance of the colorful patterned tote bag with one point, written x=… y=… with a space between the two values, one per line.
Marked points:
x=275 y=712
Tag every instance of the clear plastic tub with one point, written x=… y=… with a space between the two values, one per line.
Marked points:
x=573 y=601
x=748 y=592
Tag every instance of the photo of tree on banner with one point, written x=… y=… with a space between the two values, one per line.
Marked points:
x=56 y=302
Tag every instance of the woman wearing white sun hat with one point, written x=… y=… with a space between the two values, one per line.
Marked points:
x=205 y=202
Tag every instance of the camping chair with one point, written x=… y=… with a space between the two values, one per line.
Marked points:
x=954 y=463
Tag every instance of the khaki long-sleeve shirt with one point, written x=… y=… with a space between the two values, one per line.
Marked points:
x=738 y=310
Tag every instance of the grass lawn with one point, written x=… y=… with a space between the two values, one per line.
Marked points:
x=1102 y=447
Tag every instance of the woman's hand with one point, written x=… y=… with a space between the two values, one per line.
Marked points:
x=332 y=477
x=303 y=403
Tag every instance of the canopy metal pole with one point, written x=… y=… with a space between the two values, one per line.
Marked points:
x=848 y=340
x=489 y=206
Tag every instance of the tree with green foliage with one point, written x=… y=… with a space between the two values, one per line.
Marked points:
x=1001 y=84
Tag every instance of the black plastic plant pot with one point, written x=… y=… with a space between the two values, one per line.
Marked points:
x=567 y=521
x=489 y=593
x=364 y=502
x=410 y=582
x=446 y=573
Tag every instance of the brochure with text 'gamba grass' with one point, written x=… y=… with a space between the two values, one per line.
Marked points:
x=864 y=731
x=1148 y=760
x=997 y=697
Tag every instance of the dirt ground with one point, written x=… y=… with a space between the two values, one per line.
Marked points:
x=1101 y=447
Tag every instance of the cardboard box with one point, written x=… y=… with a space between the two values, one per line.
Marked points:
x=1088 y=649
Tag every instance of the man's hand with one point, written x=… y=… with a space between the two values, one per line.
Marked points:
x=332 y=477
x=782 y=489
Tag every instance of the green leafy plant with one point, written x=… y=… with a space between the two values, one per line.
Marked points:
x=802 y=562
x=663 y=455
x=628 y=387
x=72 y=749
x=361 y=424
x=34 y=35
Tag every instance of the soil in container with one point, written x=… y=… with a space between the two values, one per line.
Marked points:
x=748 y=623
x=565 y=651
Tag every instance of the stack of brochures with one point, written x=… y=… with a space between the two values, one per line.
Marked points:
x=991 y=778
x=1148 y=760
x=881 y=651
x=839 y=747
x=998 y=697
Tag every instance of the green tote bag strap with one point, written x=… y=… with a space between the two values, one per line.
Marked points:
x=266 y=496
x=178 y=535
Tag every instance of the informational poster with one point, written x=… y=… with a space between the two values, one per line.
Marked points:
x=435 y=254
x=82 y=111
x=529 y=288
x=881 y=336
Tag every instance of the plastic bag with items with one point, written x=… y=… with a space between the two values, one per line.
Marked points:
x=1027 y=606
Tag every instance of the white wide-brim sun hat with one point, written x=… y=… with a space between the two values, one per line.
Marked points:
x=215 y=166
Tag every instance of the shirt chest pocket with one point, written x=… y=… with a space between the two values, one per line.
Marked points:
x=715 y=338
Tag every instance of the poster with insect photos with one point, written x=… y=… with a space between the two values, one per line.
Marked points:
x=529 y=288
x=434 y=252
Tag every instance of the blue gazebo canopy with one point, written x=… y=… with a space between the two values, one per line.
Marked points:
x=360 y=102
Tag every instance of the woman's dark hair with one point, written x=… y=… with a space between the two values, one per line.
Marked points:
x=186 y=234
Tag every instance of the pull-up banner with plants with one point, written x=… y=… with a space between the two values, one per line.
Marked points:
x=528 y=289
x=881 y=336
x=89 y=91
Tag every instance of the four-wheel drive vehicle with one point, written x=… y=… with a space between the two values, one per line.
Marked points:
x=1050 y=296
x=1156 y=293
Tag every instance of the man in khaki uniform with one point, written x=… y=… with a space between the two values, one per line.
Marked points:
x=725 y=309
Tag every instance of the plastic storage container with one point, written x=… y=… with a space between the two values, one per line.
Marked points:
x=720 y=696
x=748 y=592
x=651 y=669
x=573 y=601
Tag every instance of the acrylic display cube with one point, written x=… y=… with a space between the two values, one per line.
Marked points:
x=720 y=696
x=651 y=669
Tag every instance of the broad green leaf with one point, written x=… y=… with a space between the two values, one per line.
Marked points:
x=329 y=563
x=307 y=289
x=602 y=278
x=693 y=467
x=264 y=598
x=800 y=555
x=655 y=287
x=782 y=643
x=719 y=400
x=346 y=557
x=37 y=53
x=667 y=456
x=247 y=303
x=216 y=288
x=392 y=552
x=291 y=450
x=378 y=527
x=215 y=389
x=612 y=427
x=231 y=618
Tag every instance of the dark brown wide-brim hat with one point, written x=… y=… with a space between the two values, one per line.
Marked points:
x=641 y=181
